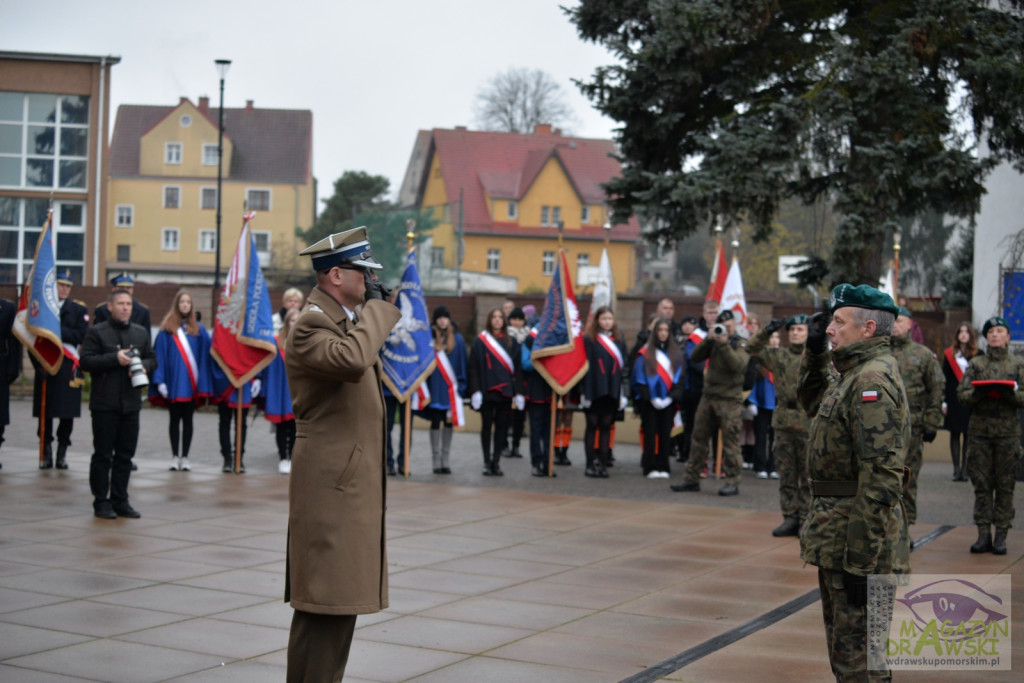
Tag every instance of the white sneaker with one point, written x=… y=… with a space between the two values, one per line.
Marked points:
x=184 y=465
x=665 y=475
x=175 y=463
x=654 y=474
x=762 y=475
x=284 y=467
x=774 y=475
x=748 y=465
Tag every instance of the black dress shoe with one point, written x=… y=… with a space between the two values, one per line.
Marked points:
x=135 y=467
x=514 y=454
x=438 y=470
x=392 y=472
x=496 y=471
x=228 y=466
x=487 y=472
x=787 y=528
x=685 y=486
x=105 y=512
x=592 y=472
x=538 y=471
x=729 y=490
x=126 y=510
x=446 y=470
x=602 y=472
x=46 y=464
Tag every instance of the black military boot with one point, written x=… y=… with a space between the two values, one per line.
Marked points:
x=788 y=527
x=488 y=470
x=62 y=451
x=229 y=465
x=984 y=542
x=999 y=542
x=562 y=457
x=47 y=462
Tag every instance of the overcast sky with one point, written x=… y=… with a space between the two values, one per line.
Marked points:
x=372 y=72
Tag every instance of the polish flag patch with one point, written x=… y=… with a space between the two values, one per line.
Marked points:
x=869 y=396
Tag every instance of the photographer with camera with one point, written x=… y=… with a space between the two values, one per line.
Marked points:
x=721 y=404
x=118 y=355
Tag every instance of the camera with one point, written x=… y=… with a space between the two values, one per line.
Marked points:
x=137 y=372
x=719 y=330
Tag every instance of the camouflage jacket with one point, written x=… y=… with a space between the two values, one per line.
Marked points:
x=784 y=364
x=723 y=378
x=859 y=433
x=923 y=382
x=990 y=415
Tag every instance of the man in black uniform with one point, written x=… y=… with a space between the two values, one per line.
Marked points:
x=10 y=361
x=107 y=353
x=140 y=314
x=63 y=390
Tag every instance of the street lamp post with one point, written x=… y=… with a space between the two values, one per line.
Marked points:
x=222 y=71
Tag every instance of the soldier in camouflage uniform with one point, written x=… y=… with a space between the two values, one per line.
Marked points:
x=789 y=420
x=721 y=406
x=856 y=525
x=924 y=384
x=993 y=434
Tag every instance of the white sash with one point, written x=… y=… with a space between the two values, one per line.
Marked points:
x=454 y=400
x=421 y=397
x=664 y=368
x=697 y=336
x=611 y=347
x=498 y=351
x=185 y=349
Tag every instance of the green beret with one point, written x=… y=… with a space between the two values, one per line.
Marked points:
x=994 y=321
x=798 y=319
x=861 y=296
x=903 y=310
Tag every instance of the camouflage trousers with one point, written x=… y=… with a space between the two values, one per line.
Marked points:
x=712 y=415
x=913 y=459
x=993 y=463
x=791 y=463
x=846 y=631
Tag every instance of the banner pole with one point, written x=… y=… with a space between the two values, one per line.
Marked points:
x=406 y=435
x=551 y=435
x=42 y=422
x=718 y=456
x=238 y=433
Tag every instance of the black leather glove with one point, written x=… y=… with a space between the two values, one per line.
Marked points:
x=817 y=340
x=774 y=325
x=929 y=435
x=375 y=289
x=856 y=589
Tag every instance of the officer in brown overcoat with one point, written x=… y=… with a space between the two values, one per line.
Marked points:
x=336 y=564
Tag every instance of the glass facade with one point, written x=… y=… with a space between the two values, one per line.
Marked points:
x=44 y=141
x=21 y=222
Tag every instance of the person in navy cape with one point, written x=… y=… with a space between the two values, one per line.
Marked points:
x=182 y=379
x=603 y=392
x=447 y=385
x=226 y=398
x=495 y=380
x=657 y=385
x=10 y=360
x=276 y=398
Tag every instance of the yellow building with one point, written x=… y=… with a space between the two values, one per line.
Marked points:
x=510 y=193
x=54 y=121
x=162 y=212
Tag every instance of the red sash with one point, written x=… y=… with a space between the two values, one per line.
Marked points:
x=612 y=348
x=181 y=341
x=498 y=351
x=444 y=366
x=664 y=369
x=951 y=359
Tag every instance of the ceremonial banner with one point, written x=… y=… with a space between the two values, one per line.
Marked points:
x=407 y=356
x=733 y=298
x=717 y=284
x=243 y=331
x=604 y=288
x=558 y=351
x=37 y=323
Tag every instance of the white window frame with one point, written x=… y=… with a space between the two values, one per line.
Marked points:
x=257 y=234
x=122 y=210
x=170 y=239
x=248 y=198
x=437 y=257
x=556 y=216
x=206 y=148
x=164 y=197
x=585 y=214
x=582 y=260
x=512 y=213
x=208 y=188
x=55 y=159
x=207 y=240
x=173 y=153
x=547 y=266
x=494 y=260
x=545 y=214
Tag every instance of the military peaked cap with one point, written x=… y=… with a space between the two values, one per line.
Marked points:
x=349 y=248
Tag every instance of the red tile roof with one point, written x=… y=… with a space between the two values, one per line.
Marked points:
x=270 y=145
x=504 y=165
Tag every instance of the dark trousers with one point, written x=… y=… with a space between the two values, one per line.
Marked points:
x=114 y=436
x=540 y=433
x=391 y=406
x=64 y=427
x=494 y=424
x=318 y=646
x=689 y=409
x=764 y=456
x=284 y=434
x=517 y=423
x=600 y=418
x=657 y=426
x=225 y=415
x=180 y=426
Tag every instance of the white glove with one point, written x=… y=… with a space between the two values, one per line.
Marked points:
x=753 y=410
x=584 y=402
x=623 y=402
x=162 y=388
x=520 y=402
x=476 y=400
x=256 y=386
x=661 y=403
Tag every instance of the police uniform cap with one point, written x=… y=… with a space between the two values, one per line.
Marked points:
x=348 y=248
x=64 y=277
x=994 y=321
x=122 y=280
x=903 y=310
x=798 y=319
x=861 y=296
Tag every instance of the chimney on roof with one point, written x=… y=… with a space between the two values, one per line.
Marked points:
x=204 y=104
x=542 y=129
x=182 y=100
x=248 y=105
x=460 y=128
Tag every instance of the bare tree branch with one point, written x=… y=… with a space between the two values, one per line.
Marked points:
x=516 y=100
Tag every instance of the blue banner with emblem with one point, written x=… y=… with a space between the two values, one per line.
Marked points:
x=407 y=356
x=37 y=323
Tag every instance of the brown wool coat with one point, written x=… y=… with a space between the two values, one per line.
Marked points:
x=336 y=561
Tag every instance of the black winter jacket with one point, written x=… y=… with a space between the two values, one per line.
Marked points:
x=111 y=385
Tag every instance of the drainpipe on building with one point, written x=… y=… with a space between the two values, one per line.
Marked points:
x=97 y=213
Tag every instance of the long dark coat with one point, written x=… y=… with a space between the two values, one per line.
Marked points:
x=336 y=562
x=10 y=358
x=63 y=390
